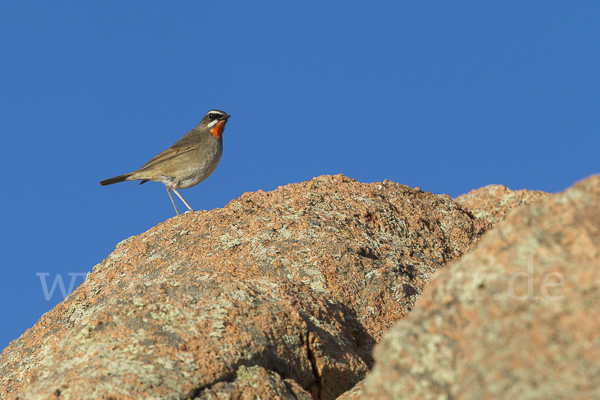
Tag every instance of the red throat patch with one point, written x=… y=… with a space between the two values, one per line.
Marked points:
x=217 y=131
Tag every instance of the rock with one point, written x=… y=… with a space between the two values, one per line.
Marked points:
x=173 y=340
x=516 y=318
x=279 y=295
x=493 y=202
x=256 y=383
x=353 y=394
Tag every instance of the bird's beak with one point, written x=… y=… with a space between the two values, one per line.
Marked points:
x=225 y=117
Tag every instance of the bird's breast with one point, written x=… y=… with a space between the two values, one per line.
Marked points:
x=202 y=164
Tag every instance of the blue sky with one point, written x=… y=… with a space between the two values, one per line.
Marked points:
x=447 y=96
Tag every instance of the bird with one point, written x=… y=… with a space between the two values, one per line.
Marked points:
x=192 y=159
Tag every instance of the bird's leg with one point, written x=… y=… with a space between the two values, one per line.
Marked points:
x=182 y=199
x=173 y=201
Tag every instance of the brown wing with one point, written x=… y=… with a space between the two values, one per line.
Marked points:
x=182 y=146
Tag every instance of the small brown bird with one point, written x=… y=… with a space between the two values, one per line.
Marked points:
x=188 y=162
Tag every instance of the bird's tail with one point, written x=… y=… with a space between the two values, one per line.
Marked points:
x=116 y=179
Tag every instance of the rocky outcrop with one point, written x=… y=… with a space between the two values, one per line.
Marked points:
x=493 y=202
x=278 y=295
x=516 y=318
x=355 y=393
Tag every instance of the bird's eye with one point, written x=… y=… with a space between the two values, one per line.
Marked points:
x=212 y=116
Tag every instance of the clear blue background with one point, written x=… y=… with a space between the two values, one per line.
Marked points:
x=447 y=96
